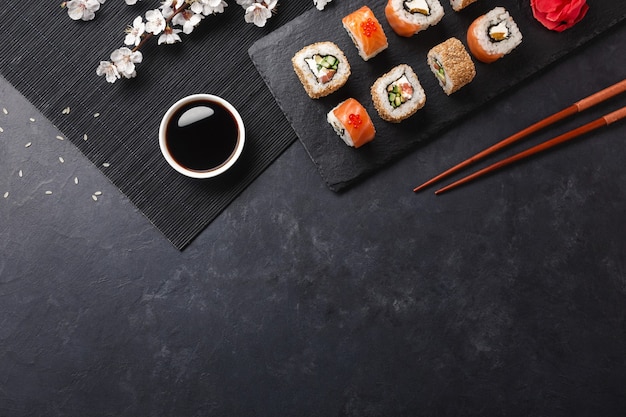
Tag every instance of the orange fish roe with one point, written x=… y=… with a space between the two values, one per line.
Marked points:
x=355 y=120
x=368 y=27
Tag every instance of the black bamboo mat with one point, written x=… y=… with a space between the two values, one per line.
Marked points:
x=341 y=166
x=52 y=60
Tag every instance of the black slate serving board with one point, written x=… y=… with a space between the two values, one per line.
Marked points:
x=52 y=60
x=341 y=166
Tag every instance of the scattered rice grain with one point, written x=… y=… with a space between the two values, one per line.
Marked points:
x=5 y=111
x=94 y=197
x=48 y=192
x=96 y=115
x=20 y=173
x=32 y=119
x=85 y=136
x=97 y=193
x=59 y=137
x=28 y=145
x=66 y=110
x=75 y=180
x=1 y=130
x=106 y=165
x=6 y=195
x=61 y=160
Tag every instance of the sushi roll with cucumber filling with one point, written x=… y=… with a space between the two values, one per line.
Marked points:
x=493 y=35
x=322 y=68
x=398 y=94
x=408 y=17
x=452 y=65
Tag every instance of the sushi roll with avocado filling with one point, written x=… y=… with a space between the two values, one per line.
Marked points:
x=408 y=17
x=493 y=35
x=398 y=94
x=452 y=65
x=322 y=68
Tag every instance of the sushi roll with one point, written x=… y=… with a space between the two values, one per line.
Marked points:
x=493 y=35
x=351 y=122
x=366 y=32
x=398 y=94
x=451 y=64
x=322 y=68
x=407 y=17
x=460 y=4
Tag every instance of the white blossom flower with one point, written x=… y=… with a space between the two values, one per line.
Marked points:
x=169 y=36
x=258 y=14
x=109 y=70
x=208 y=7
x=155 y=21
x=168 y=7
x=82 y=9
x=125 y=59
x=134 y=32
x=188 y=20
x=320 y=4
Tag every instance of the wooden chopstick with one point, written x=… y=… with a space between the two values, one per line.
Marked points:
x=577 y=107
x=602 y=121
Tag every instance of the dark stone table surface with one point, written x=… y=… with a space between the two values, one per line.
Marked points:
x=506 y=297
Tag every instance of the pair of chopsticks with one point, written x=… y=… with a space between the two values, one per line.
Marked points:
x=577 y=107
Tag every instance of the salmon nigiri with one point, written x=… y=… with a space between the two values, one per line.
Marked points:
x=366 y=32
x=352 y=123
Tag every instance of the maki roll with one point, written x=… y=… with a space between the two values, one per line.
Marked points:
x=351 y=122
x=366 y=32
x=493 y=35
x=407 y=17
x=451 y=64
x=398 y=94
x=322 y=68
x=460 y=4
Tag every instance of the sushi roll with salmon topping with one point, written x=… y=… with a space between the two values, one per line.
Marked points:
x=407 y=17
x=493 y=35
x=366 y=32
x=452 y=65
x=398 y=94
x=458 y=5
x=322 y=68
x=351 y=122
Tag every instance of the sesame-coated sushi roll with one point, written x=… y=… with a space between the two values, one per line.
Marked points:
x=451 y=64
x=460 y=4
x=351 y=122
x=398 y=94
x=366 y=32
x=493 y=35
x=407 y=17
x=322 y=68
